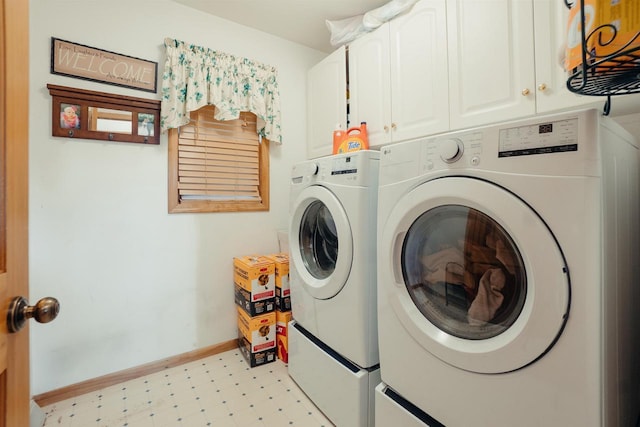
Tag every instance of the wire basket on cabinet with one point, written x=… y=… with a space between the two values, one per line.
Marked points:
x=608 y=62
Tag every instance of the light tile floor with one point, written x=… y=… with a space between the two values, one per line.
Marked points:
x=220 y=390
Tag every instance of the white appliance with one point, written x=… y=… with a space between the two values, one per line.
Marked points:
x=508 y=276
x=333 y=341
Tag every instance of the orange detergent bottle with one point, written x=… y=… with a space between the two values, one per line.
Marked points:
x=353 y=139
x=338 y=136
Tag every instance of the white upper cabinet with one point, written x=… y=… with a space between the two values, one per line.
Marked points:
x=491 y=61
x=398 y=76
x=550 y=19
x=448 y=65
x=326 y=103
x=506 y=60
x=370 y=84
x=419 y=72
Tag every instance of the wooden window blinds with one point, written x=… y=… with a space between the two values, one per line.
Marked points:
x=218 y=165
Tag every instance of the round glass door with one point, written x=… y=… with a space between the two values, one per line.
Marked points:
x=473 y=274
x=318 y=240
x=322 y=249
x=463 y=272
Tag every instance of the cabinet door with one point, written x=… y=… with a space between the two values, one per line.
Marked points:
x=326 y=102
x=419 y=72
x=369 y=88
x=550 y=25
x=491 y=60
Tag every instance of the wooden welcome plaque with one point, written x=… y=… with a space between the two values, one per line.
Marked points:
x=89 y=63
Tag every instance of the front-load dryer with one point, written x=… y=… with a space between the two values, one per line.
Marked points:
x=507 y=275
x=333 y=341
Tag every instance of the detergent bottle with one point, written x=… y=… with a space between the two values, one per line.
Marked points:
x=354 y=139
x=338 y=136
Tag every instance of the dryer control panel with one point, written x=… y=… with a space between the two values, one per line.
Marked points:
x=357 y=168
x=542 y=138
x=562 y=144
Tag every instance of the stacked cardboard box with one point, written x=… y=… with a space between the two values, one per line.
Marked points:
x=282 y=303
x=282 y=334
x=257 y=337
x=283 y=292
x=254 y=282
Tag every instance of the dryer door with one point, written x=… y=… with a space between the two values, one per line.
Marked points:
x=474 y=275
x=323 y=250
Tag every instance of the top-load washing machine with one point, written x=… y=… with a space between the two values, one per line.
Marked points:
x=508 y=276
x=333 y=341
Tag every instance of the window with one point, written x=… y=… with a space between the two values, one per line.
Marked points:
x=218 y=166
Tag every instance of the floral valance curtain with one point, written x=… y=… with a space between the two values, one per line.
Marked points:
x=195 y=76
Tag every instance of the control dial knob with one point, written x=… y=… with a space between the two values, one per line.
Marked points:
x=450 y=150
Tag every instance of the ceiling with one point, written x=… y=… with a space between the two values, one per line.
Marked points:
x=300 y=21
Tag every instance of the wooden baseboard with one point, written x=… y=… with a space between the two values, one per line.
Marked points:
x=88 y=386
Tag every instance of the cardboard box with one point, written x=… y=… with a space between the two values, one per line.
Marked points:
x=282 y=334
x=255 y=359
x=257 y=337
x=283 y=291
x=624 y=15
x=243 y=300
x=254 y=280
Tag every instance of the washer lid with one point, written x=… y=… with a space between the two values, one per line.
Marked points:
x=474 y=275
x=322 y=253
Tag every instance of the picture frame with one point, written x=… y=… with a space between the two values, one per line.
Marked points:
x=85 y=114
x=89 y=63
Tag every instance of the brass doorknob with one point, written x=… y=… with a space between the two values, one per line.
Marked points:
x=20 y=311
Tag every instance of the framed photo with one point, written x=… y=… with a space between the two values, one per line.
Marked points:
x=146 y=124
x=89 y=63
x=70 y=115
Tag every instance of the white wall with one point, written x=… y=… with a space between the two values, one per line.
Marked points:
x=135 y=283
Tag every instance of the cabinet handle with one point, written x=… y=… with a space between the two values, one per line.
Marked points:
x=542 y=87
x=525 y=92
x=393 y=126
x=386 y=128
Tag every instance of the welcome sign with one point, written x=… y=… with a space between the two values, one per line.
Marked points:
x=88 y=63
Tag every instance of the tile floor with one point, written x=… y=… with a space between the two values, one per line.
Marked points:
x=220 y=390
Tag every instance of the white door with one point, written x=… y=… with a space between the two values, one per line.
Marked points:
x=474 y=275
x=321 y=244
x=327 y=102
x=491 y=61
x=550 y=20
x=419 y=72
x=369 y=85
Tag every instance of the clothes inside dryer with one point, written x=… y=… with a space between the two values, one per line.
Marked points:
x=318 y=240
x=463 y=272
